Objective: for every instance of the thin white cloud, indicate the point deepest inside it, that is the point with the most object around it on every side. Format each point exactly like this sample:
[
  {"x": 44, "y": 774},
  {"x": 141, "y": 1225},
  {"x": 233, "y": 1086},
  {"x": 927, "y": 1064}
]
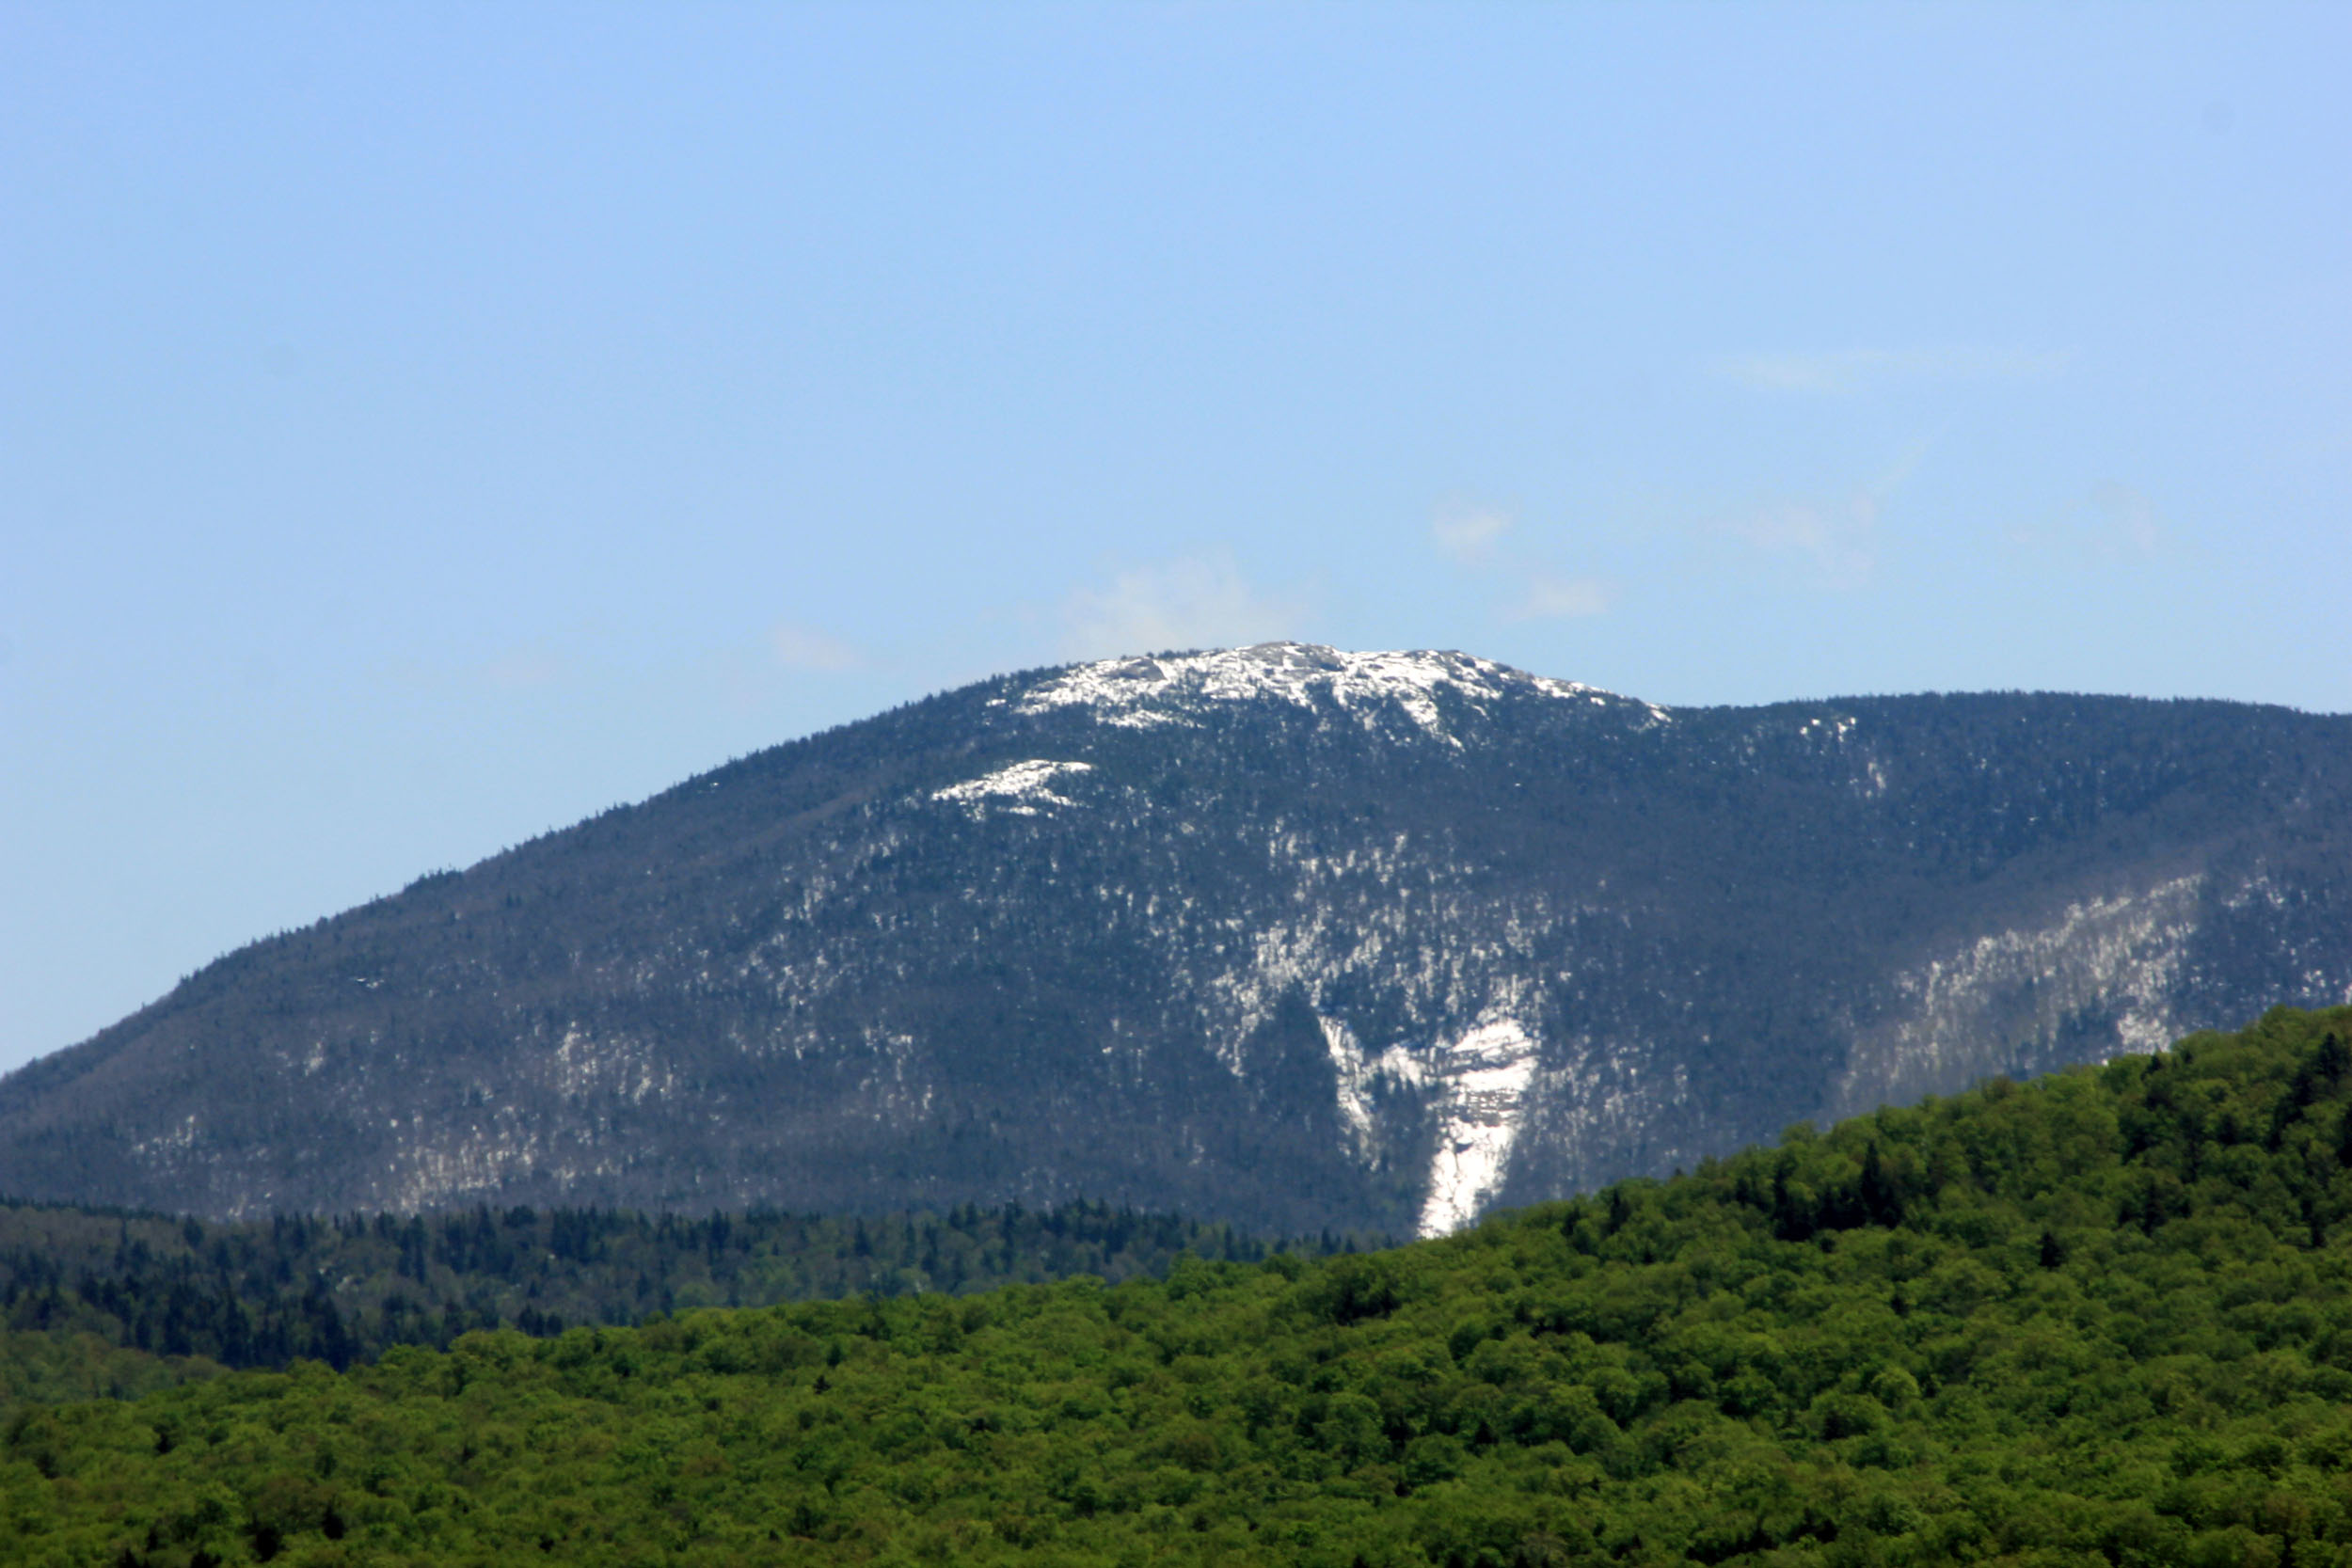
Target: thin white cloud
[
  {"x": 2110, "y": 521},
  {"x": 2128, "y": 515},
  {"x": 1466, "y": 532},
  {"x": 530, "y": 666},
  {"x": 1838, "y": 537},
  {"x": 525, "y": 668},
  {"x": 1199, "y": 601},
  {"x": 1475, "y": 535},
  {"x": 1550, "y": 598},
  {"x": 799, "y": 647},
  {"x": 1854, "y": 370}
]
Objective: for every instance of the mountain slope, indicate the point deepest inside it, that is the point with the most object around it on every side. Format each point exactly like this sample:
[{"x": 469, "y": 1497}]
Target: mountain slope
[{"x": 1278, "y": 935}]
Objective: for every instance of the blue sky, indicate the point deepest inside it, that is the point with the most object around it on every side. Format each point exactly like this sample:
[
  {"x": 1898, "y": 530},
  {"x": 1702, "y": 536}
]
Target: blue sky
[{"x": 422, "y": 426}]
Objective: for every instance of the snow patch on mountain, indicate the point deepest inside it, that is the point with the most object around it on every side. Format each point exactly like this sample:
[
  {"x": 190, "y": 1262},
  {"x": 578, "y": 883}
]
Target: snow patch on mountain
[
  {"x": 1021, "y": 789},
  {"x": 445, "y": 1164},
  {"x": 1141, "y": 693},
  {"x": 1479, "y": 1082},
  {"x": 1358, "y": 1075},
  {"x": 1486, "y": 1073},
  {"x": 2015, "y": 1001}
]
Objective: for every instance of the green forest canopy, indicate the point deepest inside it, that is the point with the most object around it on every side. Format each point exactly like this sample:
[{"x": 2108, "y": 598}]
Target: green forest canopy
[{"x": 2100, "y": 1318}]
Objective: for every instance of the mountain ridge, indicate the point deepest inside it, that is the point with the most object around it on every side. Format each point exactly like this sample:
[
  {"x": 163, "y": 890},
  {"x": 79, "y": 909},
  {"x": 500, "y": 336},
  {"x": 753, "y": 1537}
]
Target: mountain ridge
[{"x": 1281, "y": 935}]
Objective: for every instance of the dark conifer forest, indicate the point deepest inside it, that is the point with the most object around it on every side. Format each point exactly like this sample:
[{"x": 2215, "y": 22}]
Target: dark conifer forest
[
  {"x": 2098, "y": 1318},
  {"x": 98, "y": 1304}
]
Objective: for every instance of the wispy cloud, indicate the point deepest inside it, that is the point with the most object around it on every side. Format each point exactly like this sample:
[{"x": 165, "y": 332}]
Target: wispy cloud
[
  {"x": 1197, "y": 601},
  {"x": 1467, "y": 530},
  {"x": 1841, "y": 539},
  {"x": 2127, "y": 515},
  {"x": 1838, "y": 536},
  {"x": 521, "y": 667},
  {"x": 799, "y": 647},
  {"x": 2110, "y": 521},
  {"x": 1473, "y": 533},
  {"x": 1854, "y": 370},
  {"x": 524, "y": 668},
  {"x": 1551, "y": 598}
]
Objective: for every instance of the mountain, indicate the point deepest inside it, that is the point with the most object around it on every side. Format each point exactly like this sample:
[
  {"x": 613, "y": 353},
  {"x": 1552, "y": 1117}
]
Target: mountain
[
  {"x": 1278, "y": 936},
  {"x": 2102, "y": 1320}
]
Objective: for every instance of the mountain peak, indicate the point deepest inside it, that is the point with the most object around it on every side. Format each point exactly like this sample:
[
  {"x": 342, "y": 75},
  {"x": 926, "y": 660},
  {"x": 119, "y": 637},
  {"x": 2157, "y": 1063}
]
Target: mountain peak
[{"x": 1169, "y": 688}]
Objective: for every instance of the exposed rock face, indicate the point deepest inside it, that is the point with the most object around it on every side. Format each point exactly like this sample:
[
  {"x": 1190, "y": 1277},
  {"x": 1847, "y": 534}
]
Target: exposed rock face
[{"x": 1290, "y": 936}]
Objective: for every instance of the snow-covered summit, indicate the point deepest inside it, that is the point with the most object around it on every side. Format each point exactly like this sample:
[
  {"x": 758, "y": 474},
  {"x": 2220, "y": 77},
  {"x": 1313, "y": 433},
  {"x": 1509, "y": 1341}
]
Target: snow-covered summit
[{"x": 1138, "y": 693}]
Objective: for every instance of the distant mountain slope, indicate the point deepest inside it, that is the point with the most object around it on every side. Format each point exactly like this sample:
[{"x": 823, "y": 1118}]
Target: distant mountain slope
[{"x": 1281, "y": 936}]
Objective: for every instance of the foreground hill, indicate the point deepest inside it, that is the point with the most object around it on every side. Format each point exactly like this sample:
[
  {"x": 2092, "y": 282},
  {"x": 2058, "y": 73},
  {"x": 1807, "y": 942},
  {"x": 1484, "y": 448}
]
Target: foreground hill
[
  {"x": 1285, "y": 937},
  {"x": 2103, "y": 1318}
]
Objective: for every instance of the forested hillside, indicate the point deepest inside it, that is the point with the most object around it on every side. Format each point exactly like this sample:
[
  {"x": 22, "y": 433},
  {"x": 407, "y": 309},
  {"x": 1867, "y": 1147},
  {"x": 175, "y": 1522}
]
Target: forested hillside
[
  {"x": 2100, "y": 1318},
  {"x": 98, "y": 1304}
]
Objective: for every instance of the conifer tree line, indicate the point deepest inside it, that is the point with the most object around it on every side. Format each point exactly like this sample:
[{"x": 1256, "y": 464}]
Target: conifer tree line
[{"x": 342, "y": 1290}]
